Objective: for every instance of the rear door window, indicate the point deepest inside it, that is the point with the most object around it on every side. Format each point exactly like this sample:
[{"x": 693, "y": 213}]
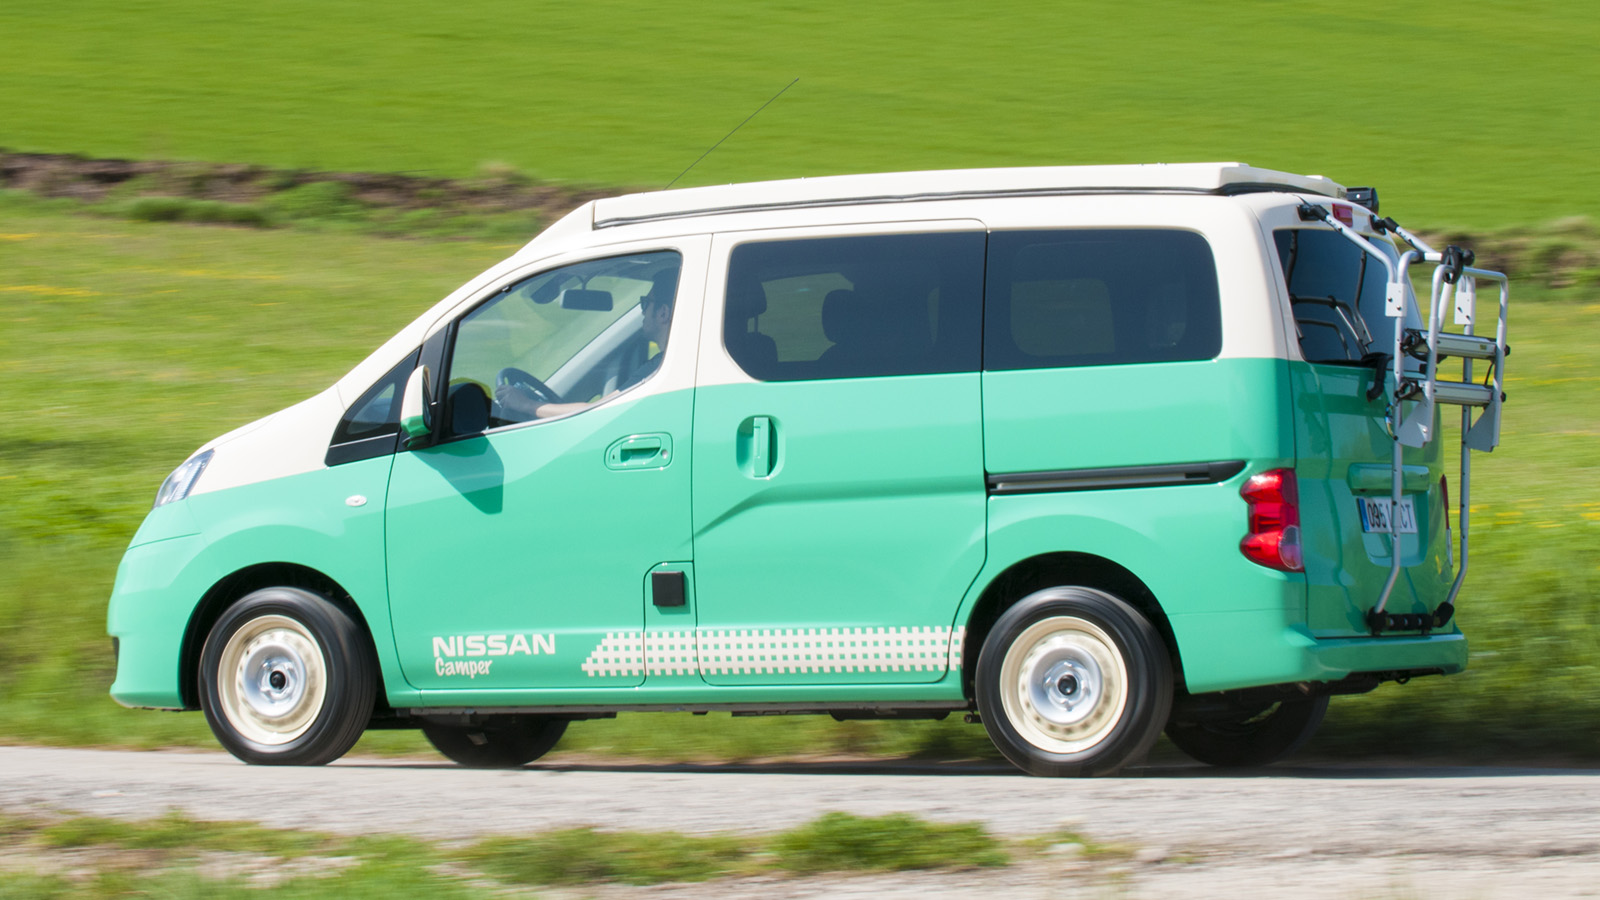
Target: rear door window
[
  {"x": 1337, "y": 292},
  {"x": 1096, "y": 297}
]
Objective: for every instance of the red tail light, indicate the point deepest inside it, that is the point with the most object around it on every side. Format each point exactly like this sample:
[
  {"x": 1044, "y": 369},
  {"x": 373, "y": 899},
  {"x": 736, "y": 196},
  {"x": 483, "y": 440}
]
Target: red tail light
[{"x": 1274, "y": 538}]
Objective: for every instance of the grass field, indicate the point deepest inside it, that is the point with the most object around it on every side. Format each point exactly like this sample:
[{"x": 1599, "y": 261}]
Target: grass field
[
  {"x": 124, "y": 345},
  {"x": 174, "y": 856},
  {"x": 1463, "y": 115}
]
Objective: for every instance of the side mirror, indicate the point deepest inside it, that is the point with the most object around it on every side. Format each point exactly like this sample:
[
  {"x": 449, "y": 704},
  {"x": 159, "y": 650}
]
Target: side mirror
[{"x": 416, "y": 407}]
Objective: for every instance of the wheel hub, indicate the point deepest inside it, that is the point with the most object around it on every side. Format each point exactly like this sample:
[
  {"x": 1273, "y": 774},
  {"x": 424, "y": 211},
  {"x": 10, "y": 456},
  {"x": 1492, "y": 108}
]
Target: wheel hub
[
  {"x": 1066, "y": 684},
  {"x": 272, "y": 680}
]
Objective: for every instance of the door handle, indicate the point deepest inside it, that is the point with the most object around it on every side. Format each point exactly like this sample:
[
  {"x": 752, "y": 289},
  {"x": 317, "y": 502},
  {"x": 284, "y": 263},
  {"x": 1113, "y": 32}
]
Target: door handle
[
  {"x": 640, "y": 451},
  {"x": 757, "y": 446}
]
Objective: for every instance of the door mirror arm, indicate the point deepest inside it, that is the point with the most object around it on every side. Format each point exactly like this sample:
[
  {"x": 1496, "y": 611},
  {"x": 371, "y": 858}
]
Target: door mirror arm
[{"x": 416, "y": 410}]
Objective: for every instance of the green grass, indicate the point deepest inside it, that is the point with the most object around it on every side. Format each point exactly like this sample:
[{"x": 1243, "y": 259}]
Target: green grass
[
  {"x": 125, "y": 345},
  {"x": 892, "y": 843},
  {"x": 175, "y": 831},
  {"x": 584, "y": 855},
  {"x": 1531, "y": 603},
  {"x": 116, "y": 858},
  {"x": 1461, "y": 115}
]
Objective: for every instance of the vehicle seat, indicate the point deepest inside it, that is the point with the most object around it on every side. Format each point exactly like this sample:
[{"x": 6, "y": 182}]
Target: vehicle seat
[
  {"x": 755, "y": 352},
  {"x": 469, "y": 408},
  {"x": 847, "y": 321}
]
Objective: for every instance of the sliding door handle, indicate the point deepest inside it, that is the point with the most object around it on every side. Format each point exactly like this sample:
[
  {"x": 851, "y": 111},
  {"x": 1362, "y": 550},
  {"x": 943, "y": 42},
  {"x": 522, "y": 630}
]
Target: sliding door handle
[{"x": 756, "y": 446}]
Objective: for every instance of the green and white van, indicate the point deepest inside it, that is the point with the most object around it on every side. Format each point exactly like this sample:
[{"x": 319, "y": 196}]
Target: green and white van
[{"x": 1083, "y": 453}]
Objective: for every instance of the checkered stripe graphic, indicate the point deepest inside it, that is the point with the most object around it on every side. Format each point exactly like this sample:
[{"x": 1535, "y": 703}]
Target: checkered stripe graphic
[
  {"x": 618, "y": 654},
  {"x": 670, "y": 653},
  {"x": 772, "y": 651}
]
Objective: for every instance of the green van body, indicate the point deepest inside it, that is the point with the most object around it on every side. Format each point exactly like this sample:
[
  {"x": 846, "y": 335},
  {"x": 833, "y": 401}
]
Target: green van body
[{"x": 844, "y": 543}]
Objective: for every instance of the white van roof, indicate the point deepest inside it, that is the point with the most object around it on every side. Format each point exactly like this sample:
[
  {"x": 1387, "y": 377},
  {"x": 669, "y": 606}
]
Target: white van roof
[{"x": 900, "y": 187}]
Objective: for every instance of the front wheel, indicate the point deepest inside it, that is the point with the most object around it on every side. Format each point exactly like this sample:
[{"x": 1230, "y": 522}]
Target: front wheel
[
  {"x": 1073, "y": 681},
  {"x": 497, "y": 744},
  {"x": 1250, "y": 738},
  {"x": 287, "y": 679}
]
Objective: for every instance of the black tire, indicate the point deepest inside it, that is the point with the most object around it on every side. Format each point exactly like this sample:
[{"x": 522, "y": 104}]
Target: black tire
[
  {"x": 287, "y": 678},
  {"x": 1073, "y": 681},
  {"x": 507, "y": 742},
  {"x": 1250, "y": 738}
]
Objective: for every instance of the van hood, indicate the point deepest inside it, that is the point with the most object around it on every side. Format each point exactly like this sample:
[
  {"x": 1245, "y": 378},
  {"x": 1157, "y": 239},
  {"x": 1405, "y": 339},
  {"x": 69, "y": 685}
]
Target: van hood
[{"x": 288, "y": 442}]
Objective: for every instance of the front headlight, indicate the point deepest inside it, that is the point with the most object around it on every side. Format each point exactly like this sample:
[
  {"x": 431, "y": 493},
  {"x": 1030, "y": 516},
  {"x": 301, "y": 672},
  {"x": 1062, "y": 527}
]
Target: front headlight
[{"x": 182, "y": 479}]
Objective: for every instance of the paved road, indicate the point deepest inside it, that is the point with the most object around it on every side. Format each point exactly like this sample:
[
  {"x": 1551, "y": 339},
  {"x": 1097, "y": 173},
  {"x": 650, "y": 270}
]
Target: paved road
[{"x": 1484, "y": 830}]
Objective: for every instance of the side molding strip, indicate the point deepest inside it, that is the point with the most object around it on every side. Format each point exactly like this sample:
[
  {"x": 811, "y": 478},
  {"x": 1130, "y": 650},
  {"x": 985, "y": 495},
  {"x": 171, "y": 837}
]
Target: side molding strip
[{"x": 1116, "y": 477}]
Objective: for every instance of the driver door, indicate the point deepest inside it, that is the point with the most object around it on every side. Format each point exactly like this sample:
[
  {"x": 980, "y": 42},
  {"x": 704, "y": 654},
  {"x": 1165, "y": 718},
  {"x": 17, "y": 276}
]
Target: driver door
[{"x": 517, "y": 546}]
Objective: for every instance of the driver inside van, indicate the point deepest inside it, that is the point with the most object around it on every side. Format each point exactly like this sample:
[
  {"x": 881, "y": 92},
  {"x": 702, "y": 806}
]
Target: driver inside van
[{"x": 656, "y": 309}]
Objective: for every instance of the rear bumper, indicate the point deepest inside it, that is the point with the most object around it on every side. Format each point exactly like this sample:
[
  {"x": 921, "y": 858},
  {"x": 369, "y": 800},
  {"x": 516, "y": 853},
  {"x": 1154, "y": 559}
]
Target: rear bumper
[{"x": 1228, "y": 651}]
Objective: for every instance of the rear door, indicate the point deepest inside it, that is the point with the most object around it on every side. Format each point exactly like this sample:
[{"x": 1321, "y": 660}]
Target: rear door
[
  {"x": 1344, "y": 454},
  {"x": 838, "y": 455}
]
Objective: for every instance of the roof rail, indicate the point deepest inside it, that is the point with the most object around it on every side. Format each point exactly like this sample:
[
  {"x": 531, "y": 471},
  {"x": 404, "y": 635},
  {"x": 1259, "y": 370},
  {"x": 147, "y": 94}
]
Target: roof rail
[{"x": 914, "y": 187}]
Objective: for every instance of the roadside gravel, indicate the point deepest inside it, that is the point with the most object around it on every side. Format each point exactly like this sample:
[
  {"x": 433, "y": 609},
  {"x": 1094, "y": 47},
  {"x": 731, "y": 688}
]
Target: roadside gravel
[{"x": 1307, "y": 831}]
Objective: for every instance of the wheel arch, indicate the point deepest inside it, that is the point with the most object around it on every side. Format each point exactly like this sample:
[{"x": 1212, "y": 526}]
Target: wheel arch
[
  {"x": 236, "y": 586},
  {"x": 1049, "y": 570}
]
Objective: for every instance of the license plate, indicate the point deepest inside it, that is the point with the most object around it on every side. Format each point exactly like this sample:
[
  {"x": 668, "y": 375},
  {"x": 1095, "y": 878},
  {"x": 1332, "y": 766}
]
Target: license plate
[{"x": 1375, "y": 514}]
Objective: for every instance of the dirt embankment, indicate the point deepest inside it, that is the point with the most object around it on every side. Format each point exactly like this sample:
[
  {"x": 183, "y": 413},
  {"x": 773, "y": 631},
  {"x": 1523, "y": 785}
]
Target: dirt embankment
[
  {"x": 98, "y": 180},
  {"x": 1559, "y": 254}
]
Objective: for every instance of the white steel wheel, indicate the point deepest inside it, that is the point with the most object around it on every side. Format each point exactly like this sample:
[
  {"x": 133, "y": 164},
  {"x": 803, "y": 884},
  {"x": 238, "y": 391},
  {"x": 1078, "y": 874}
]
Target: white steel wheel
[
  {"x": 1073, "y": 681},
  {"x": 1064, "y": 684},
  {"x": 272, "y": 680},
  {"x": 287, "y": 677}
]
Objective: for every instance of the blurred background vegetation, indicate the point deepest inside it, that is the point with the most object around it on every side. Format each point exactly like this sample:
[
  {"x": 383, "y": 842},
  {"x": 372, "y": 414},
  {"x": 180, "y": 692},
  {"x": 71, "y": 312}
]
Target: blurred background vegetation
[{"x": 129, "y": 334}]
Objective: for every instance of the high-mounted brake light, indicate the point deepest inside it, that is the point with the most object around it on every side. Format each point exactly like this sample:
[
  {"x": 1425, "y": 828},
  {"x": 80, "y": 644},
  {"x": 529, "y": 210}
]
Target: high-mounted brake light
[
  {"x": 1344, "y": 214},
  {"x": 1274, "y": 538}
]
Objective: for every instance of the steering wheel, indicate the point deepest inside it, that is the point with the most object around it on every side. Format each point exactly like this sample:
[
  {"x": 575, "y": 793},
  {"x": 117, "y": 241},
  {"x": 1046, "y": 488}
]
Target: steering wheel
[{"x": 515, "y": 377}]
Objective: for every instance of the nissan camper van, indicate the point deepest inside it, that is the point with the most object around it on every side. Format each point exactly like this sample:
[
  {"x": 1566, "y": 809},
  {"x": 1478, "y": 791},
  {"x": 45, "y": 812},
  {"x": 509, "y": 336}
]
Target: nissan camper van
[{"x": 1084, "y": 454}]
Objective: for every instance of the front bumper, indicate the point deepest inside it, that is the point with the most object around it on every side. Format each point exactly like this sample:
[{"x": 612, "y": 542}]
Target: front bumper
[{"x": 147, "y": 616}]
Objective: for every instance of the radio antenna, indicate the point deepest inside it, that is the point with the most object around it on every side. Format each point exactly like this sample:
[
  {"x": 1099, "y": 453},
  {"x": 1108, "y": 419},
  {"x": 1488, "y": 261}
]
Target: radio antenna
[{"x": 730, "y": 134}]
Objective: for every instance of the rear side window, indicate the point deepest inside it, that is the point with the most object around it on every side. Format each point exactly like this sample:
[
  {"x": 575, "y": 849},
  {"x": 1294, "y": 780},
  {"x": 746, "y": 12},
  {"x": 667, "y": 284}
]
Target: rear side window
[
  {"x": 856, "y": 306},
  {"x": 1100, "y": 297},
  {"x": 1337, "y": 292}
]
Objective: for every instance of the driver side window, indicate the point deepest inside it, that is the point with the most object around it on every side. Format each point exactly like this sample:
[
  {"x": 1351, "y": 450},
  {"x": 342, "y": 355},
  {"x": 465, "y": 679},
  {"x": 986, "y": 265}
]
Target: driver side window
[{"x": 554, "y": 344}]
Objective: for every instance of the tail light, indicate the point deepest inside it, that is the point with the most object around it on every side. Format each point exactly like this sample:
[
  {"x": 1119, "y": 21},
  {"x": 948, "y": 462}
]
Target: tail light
[{"x": 1274, "y": 538}]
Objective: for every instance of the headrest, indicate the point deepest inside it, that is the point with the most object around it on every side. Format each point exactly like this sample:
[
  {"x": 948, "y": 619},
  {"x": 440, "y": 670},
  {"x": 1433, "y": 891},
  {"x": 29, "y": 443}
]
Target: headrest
[
  {"x": 841, "y": 313},
  {"x": 746, "y": 300}
]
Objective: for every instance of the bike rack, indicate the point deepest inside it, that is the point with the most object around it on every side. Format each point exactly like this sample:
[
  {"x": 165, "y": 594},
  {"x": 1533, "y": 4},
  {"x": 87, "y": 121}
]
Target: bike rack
[{"x": 1454, "y": 278}]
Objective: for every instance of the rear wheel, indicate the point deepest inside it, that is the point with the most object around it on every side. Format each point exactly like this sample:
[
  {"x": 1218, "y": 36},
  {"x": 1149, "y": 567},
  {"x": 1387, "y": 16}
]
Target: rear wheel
[
  {"x": 1250, "y": 738},
  {"x": 497, "y": 744},
  {"x": 287, "y": 679},
  {"x": 1073, "y": 681}
]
